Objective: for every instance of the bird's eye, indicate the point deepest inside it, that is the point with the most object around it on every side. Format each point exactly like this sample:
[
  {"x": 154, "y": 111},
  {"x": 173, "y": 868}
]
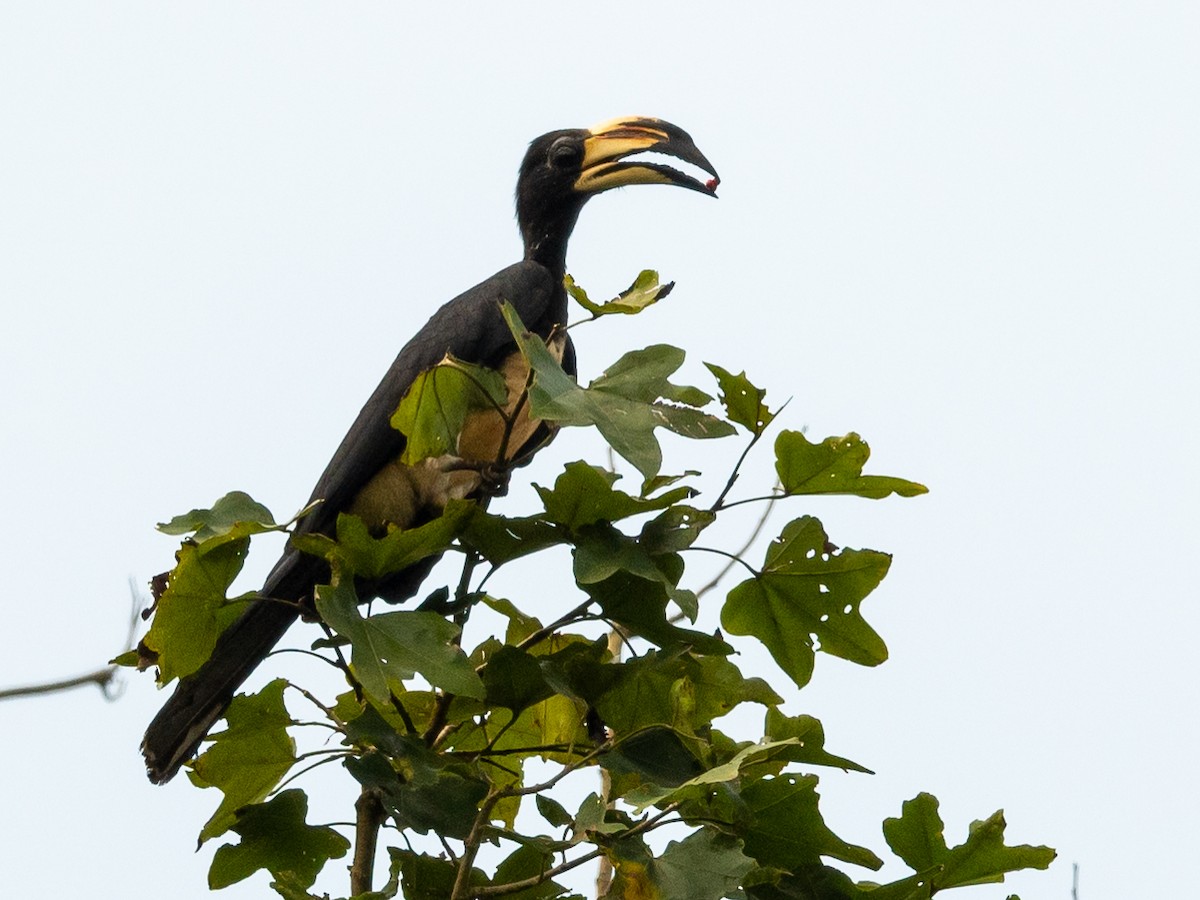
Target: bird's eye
[{"x": 565, "y": 153}]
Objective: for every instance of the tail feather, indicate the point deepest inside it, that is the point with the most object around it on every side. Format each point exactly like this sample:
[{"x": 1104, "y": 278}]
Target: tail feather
[{"x": 201, "y": 698}]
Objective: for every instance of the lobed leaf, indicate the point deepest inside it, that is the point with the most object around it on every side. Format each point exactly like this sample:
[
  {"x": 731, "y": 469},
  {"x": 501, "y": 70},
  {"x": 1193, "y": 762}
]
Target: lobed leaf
[
  {"x": 807, "y": 597},
  {"x": 917, "y": 837},
  {"x": 248, "y": 758},
  {"x": 743, "y": 401},
  {"x": 192, "y": 612},
  {"x": 645, "y": 291},
  {"x": 276, "y": 837},
  {"x": 623, "y": 403},
  {"x": 390, "y": 647},
  {"x": 236, "y": 515},
  {"x": 833, "y": 466}
]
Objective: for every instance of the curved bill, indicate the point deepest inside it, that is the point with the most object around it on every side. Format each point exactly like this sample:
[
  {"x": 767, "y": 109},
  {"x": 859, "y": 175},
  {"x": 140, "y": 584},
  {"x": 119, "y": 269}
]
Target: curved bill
[{"x": 607, "y": 146}]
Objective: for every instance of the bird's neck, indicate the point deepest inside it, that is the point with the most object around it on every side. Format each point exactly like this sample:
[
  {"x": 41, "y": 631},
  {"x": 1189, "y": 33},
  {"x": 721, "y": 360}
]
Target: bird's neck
[{"x": 546, "y": 240}]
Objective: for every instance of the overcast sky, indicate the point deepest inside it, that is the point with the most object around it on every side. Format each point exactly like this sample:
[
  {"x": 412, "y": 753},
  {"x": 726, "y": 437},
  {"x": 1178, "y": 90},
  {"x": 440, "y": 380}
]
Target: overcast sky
[{"x": 967, "y": 231}]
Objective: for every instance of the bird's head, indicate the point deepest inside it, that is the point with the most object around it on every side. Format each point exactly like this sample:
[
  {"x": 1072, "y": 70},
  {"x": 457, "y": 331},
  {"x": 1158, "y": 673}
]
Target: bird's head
[{"x": 562, "y": 169}]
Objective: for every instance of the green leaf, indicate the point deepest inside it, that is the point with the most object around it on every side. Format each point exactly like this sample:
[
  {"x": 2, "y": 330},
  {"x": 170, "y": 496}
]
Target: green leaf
[
  {"x": 289, "y": 887},
  {"x": 513, "y": 679},
  {"x": 644, "y": 292},
  {"x": 584, "y": 494},
  {"x": 275, "y": 837},
  {"x": 917, "y": 838},
  {"x": 640, "y": 604},
  {"x": 591, "y": 819},
  {"x": 502, "y": 539},
  {"x": 429, "y": 878},
  {"x": 393, "y": 645},
  {"x": 833, "y": 466},
  {"x": 357, "y": 551},
  {"x": 579, "y": 669},
  {"x": 661, "y": 756},
  {"x": 743, "y": 401},
  {"x": 433, "y": 410},
  {"x": 650, "y": 485},
  {"x": 675, "y": 529},
  {"x": 249, "y": 757},
  {"x": 788, "y": 831},
  {"x": 706, "y": 865},
  {"x": 552, "y": 811},
  {"x": 528, "y": 861},
  {"x": 236, "y": 515},
  {"x": 682, "y": 692},
  {"x": 554, "y": 722},
  {"x": 194, "y": 610},
  {"x": 806, "y": 598},
  {"x": 520, "y": 625},
  {"x": 811, "y": 736},
  {"x": 623, "y": 403},
  {"x": 425, "y": 795},
  {"x": 821, "y": 882}
]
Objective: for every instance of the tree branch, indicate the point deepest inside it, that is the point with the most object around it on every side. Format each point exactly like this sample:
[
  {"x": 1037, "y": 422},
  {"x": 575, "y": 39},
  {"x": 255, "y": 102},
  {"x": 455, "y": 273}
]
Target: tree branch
[{"x": 369, "y": 808}]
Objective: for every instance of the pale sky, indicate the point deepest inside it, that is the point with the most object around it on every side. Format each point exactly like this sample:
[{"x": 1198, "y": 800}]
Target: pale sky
[{"x": 967, "y": 231}]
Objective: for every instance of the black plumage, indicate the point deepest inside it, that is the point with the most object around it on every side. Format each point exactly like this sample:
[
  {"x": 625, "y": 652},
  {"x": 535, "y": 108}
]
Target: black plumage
[{"x": 560, "y": 171}]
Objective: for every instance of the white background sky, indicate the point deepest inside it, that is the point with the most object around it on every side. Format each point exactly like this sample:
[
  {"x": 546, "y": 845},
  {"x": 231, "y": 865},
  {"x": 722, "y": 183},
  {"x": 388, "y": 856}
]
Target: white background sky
[{"x": 967, "y": 231}]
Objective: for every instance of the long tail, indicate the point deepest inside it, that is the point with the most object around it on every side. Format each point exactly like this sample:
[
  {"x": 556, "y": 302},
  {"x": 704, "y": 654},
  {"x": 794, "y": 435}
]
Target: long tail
[
  {"x": 174, "y": 735},
  {"x": 201, "y": 698}
]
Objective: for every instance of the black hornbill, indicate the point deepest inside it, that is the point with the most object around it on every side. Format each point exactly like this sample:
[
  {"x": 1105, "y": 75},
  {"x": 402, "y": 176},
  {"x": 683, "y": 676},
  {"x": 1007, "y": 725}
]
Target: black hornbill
[{"x": 560, "y": 171}]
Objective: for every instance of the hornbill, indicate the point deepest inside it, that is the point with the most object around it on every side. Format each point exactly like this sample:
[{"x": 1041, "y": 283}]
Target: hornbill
[{"x": 560, "y": 171}]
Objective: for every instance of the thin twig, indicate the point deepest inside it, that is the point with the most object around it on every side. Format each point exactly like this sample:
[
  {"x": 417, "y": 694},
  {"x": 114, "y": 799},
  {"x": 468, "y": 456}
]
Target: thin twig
[
  {"x": 546, "y": 630},
  {"x": 758, "y": 527},
  {"x": 499, "y": 890},
  {"x": 102, "y": 678},
  {"x": 759, "y": 499},
  {"x": 731, "y": 556},
  {"x": 303, "y": 652},
  {"x": 471, "y": 845},
  {"x": 733, "y": 476}
]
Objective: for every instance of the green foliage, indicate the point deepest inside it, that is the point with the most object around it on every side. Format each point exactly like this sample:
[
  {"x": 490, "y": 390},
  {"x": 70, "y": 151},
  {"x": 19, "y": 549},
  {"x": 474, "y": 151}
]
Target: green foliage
[
  {"x": 442, "y": 719},
  {"x": 807, "y": 598},
  {"x": 275, "y": 837},
  {"x": 247, "y": 759},
  {"x": 625, "y": 404},
  {"x": 439, "y": 401},
  {"x": 833, "y": 466},
  {"x": 644, "y": 291}
]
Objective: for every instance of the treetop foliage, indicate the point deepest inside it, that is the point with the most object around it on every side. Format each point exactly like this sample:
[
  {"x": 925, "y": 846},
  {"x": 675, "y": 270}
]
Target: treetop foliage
[{"x": 444, "y": 729}]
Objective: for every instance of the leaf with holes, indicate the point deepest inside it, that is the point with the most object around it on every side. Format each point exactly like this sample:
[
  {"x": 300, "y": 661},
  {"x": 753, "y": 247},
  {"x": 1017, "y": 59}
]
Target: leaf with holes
[
  {"x": 743, "y": 401},
  {"x": 834, "y": 466},
  {"x": 806, "y": 598}
]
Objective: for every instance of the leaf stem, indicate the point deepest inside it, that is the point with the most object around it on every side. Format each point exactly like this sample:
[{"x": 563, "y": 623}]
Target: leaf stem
[
  {"x": 499, "y": 890},
  {"x": 733, "y": 557},
  {"x": 733, "y": 476},
  {"x": 546, "y": 630}
]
